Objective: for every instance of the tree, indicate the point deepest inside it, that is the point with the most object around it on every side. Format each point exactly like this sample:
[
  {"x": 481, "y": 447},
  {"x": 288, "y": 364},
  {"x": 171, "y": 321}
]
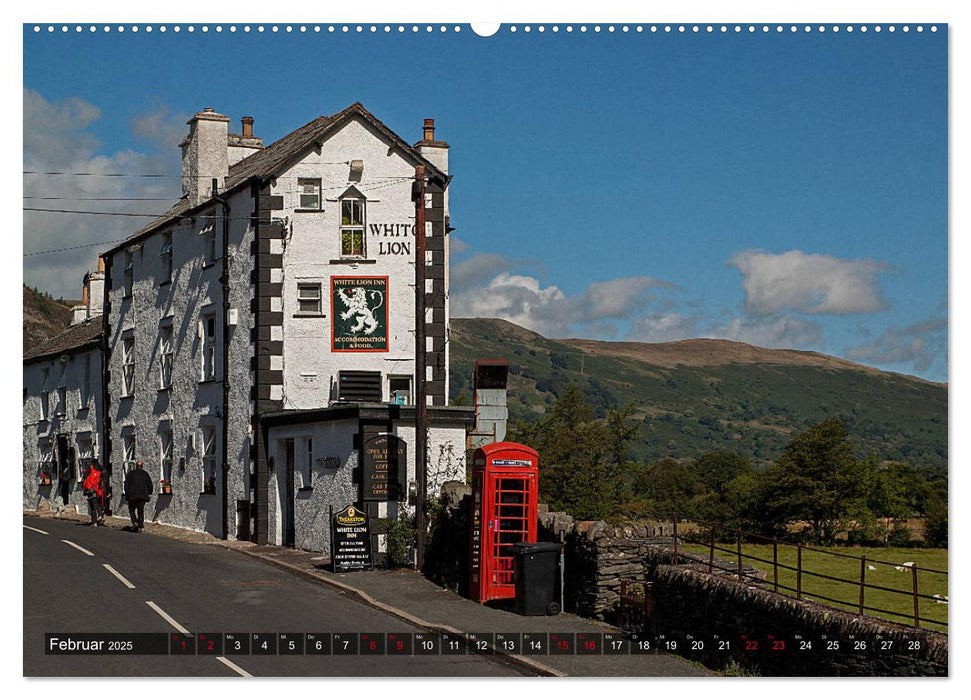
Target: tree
[
  {"x": 817, "y": 479},
  {"x": 583, "y": 461}
]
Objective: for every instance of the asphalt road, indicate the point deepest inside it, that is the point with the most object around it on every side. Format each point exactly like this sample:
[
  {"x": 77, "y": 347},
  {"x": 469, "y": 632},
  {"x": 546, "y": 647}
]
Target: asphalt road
[{"x": 179, "y": 586}]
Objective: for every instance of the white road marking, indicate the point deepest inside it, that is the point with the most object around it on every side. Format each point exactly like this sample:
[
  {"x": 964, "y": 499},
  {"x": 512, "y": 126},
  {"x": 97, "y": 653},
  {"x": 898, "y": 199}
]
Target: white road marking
[
  {"x": 78, "y": 547},
  {"x": 118, "y": 576},
  {"x": 168, "y": 618},
  {"x": 233, "y": 666},
  {"x": 36, "y": 530}
]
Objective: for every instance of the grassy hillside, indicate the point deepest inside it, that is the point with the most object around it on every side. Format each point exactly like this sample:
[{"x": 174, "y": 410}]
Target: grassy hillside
[
  {"x": 699, "y": 395},
  {"x": 44, "y": 316}
]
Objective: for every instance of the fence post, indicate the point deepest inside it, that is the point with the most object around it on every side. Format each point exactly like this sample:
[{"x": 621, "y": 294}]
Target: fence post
[
  {"x": 738, "y": 532},
  {"x": 862, "y": 580},
  {"x": 775, "y": 564},
  {"x": 916, "y": 599},
  {"x": 675, "y": 535},
  {"x": 799, "y": 571},
  {"x": 711, "y": 552}
]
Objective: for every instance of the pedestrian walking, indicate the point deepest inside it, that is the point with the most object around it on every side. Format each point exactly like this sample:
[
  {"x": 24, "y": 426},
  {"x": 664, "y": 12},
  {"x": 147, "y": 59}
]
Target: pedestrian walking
[
  {"x": 94, "y": 492},
  {"x": 138, "y": 490}
]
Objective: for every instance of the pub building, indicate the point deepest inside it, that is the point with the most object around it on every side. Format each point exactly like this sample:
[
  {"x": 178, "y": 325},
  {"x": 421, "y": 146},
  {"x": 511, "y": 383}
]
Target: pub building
[{"x": 258, "y": 338}]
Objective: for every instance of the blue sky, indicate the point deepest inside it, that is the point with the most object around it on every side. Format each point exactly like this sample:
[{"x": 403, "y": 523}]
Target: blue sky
[{"x": 787, "y": 190}]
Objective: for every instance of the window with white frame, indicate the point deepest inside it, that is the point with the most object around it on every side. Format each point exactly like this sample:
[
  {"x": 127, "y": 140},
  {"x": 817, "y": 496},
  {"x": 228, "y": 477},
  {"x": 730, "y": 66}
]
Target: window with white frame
[
  {"x": 208, "y": 347},
  {"x": 166, "y": 355},
  {"x": 85, "y": 452},
  {"x": 45, "y": 395},
  {"x": 165, "y": 453},
  {"x": 61, "y": 408},
  {"x": 128, "y": 365},
  {"x": 45, "y": 464},
  {"x": 128, "y": 454},
  {"x": 308, "y": 189},
  {"x": 166, "y": 257},
  {"x": 209, "y": 243},
  {"x": 209, "y": 452},
  {"x": 308, "y": 298},
  {"x": 352, "y": 227},
  {"x": 129, "y": 272}
]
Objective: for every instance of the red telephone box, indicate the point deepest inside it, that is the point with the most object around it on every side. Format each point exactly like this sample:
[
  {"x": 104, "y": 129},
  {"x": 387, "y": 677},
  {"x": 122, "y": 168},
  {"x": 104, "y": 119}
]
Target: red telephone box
[{"x": 504, "y": 498}]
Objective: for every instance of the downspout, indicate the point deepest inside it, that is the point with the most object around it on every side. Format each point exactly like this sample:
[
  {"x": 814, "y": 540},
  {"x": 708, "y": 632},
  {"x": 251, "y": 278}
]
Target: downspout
[
  {"x": 225, "y": 381},
  {"x": 105, "y": 348}
]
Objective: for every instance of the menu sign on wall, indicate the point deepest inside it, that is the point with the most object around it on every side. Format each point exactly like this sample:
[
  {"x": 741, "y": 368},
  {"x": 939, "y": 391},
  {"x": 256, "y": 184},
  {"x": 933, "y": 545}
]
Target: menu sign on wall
[
  {"x": 384, "y": 460},
  {"x": 351, "y": 540}
]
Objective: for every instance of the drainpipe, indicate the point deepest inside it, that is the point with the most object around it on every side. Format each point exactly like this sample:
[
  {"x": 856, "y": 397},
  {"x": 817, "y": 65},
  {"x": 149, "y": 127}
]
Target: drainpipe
[
  {"x": 225, "y": 382},
  {"x": 105, "y": 397}
]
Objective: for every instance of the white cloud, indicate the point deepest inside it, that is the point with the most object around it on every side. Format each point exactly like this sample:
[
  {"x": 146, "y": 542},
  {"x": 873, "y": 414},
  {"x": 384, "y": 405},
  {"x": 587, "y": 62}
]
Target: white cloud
[
  {"x": 57, "y": 137},
  {"x": 161, "y": 126},
  {"x": 771, "y": 332},
  {"x": 547, "y": 310},
  {"x": 809, "y": 283},
  {"x": 918, "y": 344}
]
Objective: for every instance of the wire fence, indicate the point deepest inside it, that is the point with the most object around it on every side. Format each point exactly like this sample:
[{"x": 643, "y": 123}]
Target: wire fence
[{"x": 797, "y": 578}]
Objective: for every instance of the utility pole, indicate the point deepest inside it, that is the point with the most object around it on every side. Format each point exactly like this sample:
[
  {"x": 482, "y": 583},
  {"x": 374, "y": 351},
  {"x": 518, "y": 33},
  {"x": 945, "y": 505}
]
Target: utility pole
[{"x": 418, "y": 195}]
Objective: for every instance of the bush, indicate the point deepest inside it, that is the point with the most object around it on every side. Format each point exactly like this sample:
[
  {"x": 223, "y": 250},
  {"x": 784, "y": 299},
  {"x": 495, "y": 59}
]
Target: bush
[{"x": 401, "y": 542}]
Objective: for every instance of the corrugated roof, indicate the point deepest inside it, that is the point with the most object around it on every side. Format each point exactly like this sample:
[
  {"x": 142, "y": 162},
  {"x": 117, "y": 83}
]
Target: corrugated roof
[
  {"x": 274, "y": 159},
  {"x": 78, "y": 336}
]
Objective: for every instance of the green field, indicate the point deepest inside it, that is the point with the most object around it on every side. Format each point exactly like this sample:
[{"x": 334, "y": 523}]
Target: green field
[{"x": 816, "y": 588}]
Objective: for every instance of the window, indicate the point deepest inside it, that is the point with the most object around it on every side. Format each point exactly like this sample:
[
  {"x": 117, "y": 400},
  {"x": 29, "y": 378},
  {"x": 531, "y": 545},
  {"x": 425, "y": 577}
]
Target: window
[
  {"x": 352, "y": 227},
  {"x": 308, "y": 478},
  {"x": 308, "y": 298},
  {"x": 165, "y": 454},
  {"x": 208, "y": 347},
  {"x": 129, "y": 272},
  {"x": 129, "y": 452},
  {"x": 46, "y": 464},
  {"x": 85, "y": 452},
  {"x": 209, "y": 453},
  {"x": 309, "y": 191},
  {"x": 84, "y": 392},
  {"x": 166, "y": 256},
  {"x": 209, "y": 242},
  {"x": 400, "y": 390},
  {"x": 61, "y": 408},
  {"x": 45, "y": 396},
  {"x": 166, "y": 353},
  {"x": 128, "y": 366}
]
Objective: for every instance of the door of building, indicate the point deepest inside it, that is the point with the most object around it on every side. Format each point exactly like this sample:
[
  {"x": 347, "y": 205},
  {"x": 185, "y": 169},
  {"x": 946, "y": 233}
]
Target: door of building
[
  {"x": 286, "y": 497},
  {"x": 65, "y": 469}
]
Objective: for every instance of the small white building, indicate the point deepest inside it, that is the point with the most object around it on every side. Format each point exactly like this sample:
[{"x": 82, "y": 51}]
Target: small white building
[
  {"x": 259, "y": 336},
  {"x": 62, "y": 412}
]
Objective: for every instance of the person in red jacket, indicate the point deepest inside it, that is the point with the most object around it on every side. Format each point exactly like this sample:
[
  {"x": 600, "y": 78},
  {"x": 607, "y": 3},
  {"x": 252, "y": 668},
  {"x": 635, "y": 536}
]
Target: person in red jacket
[{"x": 94, "y": 490}]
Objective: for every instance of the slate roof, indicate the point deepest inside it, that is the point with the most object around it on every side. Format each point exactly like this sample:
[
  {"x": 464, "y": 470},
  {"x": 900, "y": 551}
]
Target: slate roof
[
  {"x": 74, "y": 338},
  {"x": 274, "y": 159}
]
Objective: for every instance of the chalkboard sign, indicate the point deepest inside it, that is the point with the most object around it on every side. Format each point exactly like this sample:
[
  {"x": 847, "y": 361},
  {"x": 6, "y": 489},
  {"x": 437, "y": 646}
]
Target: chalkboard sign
[
  {"x": 350, "y": 540},
  {"x": 384, "y": 460}
]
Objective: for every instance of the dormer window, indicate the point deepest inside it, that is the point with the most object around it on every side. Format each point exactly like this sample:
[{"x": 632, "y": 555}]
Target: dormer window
[{"x": 352, "y": 224}]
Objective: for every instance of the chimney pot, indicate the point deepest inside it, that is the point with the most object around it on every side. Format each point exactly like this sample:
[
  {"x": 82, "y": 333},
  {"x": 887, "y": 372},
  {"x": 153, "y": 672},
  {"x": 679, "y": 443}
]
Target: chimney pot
[
  {"x": 429, "y": 130},
  {"x": 247, "y": 127},
  {"x": 209, "y": 109}
]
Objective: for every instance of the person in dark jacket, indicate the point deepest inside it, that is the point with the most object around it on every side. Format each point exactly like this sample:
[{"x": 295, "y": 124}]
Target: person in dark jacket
[
  {"x": 138, "y": 490},
  {"x": 94, "y": 490}
]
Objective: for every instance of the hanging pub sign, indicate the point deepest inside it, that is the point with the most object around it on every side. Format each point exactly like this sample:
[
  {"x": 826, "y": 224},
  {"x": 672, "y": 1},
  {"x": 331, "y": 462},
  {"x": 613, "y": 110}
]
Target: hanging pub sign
[
  {"x": 385, "y": 474},
  {"x": 359, "y": 314},
  {"x": 350, "y": 540}
]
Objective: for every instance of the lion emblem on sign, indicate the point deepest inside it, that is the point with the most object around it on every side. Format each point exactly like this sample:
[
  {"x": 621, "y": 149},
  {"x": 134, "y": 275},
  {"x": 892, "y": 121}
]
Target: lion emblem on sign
[{"x": 358, "y": 308}]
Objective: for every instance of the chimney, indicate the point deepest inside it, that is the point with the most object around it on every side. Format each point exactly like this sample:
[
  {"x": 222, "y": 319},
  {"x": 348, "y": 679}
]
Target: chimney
[
  {"x": 205, "y": 155},
  {"x": 96, "y": 289},
  {"x": 491, "y": 414},
  {"x": 429, "y": 130},
  {"x": 436, "y": 152},
  {"x": 239, "y": 146}
]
